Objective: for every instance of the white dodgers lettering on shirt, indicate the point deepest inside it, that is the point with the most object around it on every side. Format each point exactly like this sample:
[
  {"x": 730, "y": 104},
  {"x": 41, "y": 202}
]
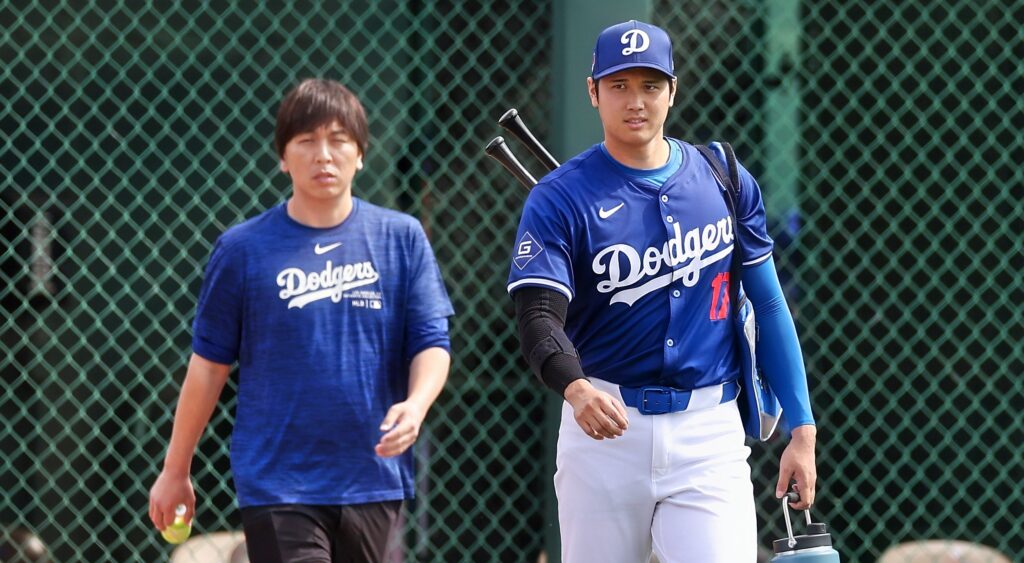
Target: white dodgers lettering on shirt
[
  {"x": 301, "y": 288},
  {"x": 641, "y": 273}
]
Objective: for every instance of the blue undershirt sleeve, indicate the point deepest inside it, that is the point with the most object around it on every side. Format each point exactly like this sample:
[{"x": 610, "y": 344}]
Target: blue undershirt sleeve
[
  {"x": 778, "y": 349},
  {"x": 427, "y": 334}
]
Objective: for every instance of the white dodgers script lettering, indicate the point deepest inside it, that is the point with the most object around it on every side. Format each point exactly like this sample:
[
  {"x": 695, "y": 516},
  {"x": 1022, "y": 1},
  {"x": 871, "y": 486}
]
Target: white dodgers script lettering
[
  {"x": 696, "y": 249},
  {"x": 300, "y": 288}
]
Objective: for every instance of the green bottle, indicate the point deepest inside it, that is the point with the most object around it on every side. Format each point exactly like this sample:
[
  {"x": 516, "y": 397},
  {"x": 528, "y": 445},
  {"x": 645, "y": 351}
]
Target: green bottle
[{"x": 179, "y": 530}]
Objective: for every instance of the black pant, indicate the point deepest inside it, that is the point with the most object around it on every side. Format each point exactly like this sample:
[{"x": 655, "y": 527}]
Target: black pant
[{"x": 294, "y": 533}]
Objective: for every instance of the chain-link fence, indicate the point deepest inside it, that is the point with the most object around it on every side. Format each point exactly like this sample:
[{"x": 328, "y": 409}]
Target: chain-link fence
[{"x": 884, "y": 133}]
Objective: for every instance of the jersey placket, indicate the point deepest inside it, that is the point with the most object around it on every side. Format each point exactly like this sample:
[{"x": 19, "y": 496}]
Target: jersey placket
[{"x": 671, "y": 344}]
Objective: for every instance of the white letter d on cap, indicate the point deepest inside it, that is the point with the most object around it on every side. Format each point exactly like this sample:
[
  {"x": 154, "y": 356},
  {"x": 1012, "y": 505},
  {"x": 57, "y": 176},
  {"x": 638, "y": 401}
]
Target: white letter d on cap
[{"x": 631, "y": 38}]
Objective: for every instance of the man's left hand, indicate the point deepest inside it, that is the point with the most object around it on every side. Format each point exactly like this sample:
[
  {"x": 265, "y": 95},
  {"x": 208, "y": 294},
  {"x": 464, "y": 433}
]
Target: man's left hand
[{"x": 797, "y": 464}]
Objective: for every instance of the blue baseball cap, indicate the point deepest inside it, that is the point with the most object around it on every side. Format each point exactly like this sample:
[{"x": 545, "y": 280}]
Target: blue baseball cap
[{"x": 632, "y": 44}]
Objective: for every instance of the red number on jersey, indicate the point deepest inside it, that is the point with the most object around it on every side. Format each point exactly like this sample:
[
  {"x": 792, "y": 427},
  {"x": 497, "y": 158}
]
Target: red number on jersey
[{"x": 720, "y": 298}]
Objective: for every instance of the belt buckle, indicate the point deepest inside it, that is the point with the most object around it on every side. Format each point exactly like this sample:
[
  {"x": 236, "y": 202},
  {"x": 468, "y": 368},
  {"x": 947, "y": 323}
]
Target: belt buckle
[{"x": 642, "y": 406}]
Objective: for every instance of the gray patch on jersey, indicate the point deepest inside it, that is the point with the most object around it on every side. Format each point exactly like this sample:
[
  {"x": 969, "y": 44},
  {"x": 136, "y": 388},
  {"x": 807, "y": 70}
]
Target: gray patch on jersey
[{"x": 526, "y": 249}]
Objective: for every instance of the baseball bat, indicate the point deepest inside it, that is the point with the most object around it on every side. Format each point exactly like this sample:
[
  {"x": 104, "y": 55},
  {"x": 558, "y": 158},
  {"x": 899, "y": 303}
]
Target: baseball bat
[
  {"x": 512, "y": 123},
  {"x": 498, "y": 150}
]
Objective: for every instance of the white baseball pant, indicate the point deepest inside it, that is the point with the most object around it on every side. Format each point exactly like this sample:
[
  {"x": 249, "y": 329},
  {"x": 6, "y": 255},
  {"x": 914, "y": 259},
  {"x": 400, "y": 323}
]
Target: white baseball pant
[{"x": 675, "y": 483}]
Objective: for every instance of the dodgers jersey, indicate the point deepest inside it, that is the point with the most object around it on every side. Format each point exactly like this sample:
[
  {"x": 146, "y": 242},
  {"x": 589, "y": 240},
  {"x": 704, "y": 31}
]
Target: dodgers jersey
[
  {"x": 318, "y": 320},
  {"x": 645, "y": 267}
]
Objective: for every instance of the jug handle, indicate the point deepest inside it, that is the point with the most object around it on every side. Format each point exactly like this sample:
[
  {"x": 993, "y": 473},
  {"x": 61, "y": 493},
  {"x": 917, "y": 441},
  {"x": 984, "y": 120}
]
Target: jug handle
[{"x": 789, "y": 497}]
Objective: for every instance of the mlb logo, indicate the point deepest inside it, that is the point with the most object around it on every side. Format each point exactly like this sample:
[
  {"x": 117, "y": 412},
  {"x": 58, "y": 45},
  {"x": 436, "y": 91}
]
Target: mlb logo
[{"x": 374, "y": 304}]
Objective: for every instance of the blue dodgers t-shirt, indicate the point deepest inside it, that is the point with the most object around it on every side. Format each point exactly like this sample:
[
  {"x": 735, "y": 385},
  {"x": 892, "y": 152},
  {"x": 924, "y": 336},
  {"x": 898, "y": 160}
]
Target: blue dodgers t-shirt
[
  {"x": 319, "y": 321},
  {"x": 644, "y": 263}
]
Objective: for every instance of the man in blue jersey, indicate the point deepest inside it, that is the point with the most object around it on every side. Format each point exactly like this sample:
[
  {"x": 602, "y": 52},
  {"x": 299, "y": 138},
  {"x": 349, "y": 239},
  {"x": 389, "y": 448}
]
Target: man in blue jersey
[
  {"x": 336, "y": 313},
  {"x": 620, "y": 276}
]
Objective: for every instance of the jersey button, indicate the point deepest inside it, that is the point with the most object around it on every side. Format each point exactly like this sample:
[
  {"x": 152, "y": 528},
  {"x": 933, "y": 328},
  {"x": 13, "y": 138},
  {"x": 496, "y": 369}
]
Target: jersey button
[
  {"x": 675, "y": 293},
  {"x": 664, "y": 199},
  {"x": 670, "y": 342},
  {"x": 669, "y": 219}
]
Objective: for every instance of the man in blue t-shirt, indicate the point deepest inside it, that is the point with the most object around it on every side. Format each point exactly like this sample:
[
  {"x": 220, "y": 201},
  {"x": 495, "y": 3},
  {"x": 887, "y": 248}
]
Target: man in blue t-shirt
[
  {"x": 620, "y": 277},
  {"x": 337, "y": 315}
]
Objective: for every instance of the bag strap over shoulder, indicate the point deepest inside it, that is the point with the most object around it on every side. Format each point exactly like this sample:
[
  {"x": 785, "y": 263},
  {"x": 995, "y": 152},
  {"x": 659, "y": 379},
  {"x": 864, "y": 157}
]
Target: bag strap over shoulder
[{"x": 730, "y": 183}]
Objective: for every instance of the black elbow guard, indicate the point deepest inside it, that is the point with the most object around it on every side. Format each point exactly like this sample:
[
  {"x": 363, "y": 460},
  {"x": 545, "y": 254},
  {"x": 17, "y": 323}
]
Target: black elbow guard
[
  {"x": 555, "y": 343},
  {"x": 547, "y": 349}
]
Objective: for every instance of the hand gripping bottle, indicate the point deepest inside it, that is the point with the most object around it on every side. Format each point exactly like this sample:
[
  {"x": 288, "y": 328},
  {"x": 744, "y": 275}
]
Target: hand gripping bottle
[
  {"x": 813, "y": 547},
  {"x": 179, "y": 530}
]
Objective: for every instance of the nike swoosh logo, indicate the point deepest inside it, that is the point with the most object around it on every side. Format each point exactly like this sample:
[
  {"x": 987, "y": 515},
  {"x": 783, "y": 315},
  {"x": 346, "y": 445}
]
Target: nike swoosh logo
[
  {"x": 606, "y": 214},
  {"x": 324, "y": 249}
]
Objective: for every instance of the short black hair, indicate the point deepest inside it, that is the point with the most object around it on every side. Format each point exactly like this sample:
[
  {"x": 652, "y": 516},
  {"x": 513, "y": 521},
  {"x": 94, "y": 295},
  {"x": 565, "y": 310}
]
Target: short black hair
[{"x": 316, "y": 102}]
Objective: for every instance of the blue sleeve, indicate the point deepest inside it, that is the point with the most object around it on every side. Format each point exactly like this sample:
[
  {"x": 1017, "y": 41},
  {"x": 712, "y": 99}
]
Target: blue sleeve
[
  {"x": 427, "y": 299},
  {"x": 542, "y": 256},
  {"x": 217, "y": 328},
  {"x": 778, "y": 349},
  {"x": 428, "y": 334}
]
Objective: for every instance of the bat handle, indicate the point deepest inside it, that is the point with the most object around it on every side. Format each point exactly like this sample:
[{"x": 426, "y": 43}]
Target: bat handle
[
  {"x": 514, "y": 124},
  {"x": 498, "y": 150}
]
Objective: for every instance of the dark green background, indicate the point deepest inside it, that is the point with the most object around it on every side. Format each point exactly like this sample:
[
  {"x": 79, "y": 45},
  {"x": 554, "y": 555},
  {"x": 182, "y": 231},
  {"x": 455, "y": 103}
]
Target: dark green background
[{"x": 885, "y": 135}]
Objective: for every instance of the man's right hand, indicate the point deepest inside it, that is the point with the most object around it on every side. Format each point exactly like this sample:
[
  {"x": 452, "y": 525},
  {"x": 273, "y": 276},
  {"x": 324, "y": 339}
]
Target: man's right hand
[
  {"x": 599, "y": 414},
  {"x": 167, "y": 493}
]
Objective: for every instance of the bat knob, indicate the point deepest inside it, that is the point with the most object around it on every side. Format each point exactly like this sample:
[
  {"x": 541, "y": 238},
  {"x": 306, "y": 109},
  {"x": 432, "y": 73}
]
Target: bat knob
[
  {"x": 494, "y": 144},
  {"x": 509, "y": 115}
]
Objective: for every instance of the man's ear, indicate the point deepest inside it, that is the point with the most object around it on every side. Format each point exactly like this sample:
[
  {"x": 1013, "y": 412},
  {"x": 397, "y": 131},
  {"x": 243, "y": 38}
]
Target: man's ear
[
  {"x": 672, "y": 88},
  {"x": 282, "y": 165},
  {"x": 592, "y": 90}
]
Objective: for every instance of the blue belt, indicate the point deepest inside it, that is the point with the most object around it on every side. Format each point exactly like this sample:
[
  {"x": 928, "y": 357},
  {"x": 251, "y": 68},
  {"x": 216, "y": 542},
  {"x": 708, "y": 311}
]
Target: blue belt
[{"x": 655, "y": 399}]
